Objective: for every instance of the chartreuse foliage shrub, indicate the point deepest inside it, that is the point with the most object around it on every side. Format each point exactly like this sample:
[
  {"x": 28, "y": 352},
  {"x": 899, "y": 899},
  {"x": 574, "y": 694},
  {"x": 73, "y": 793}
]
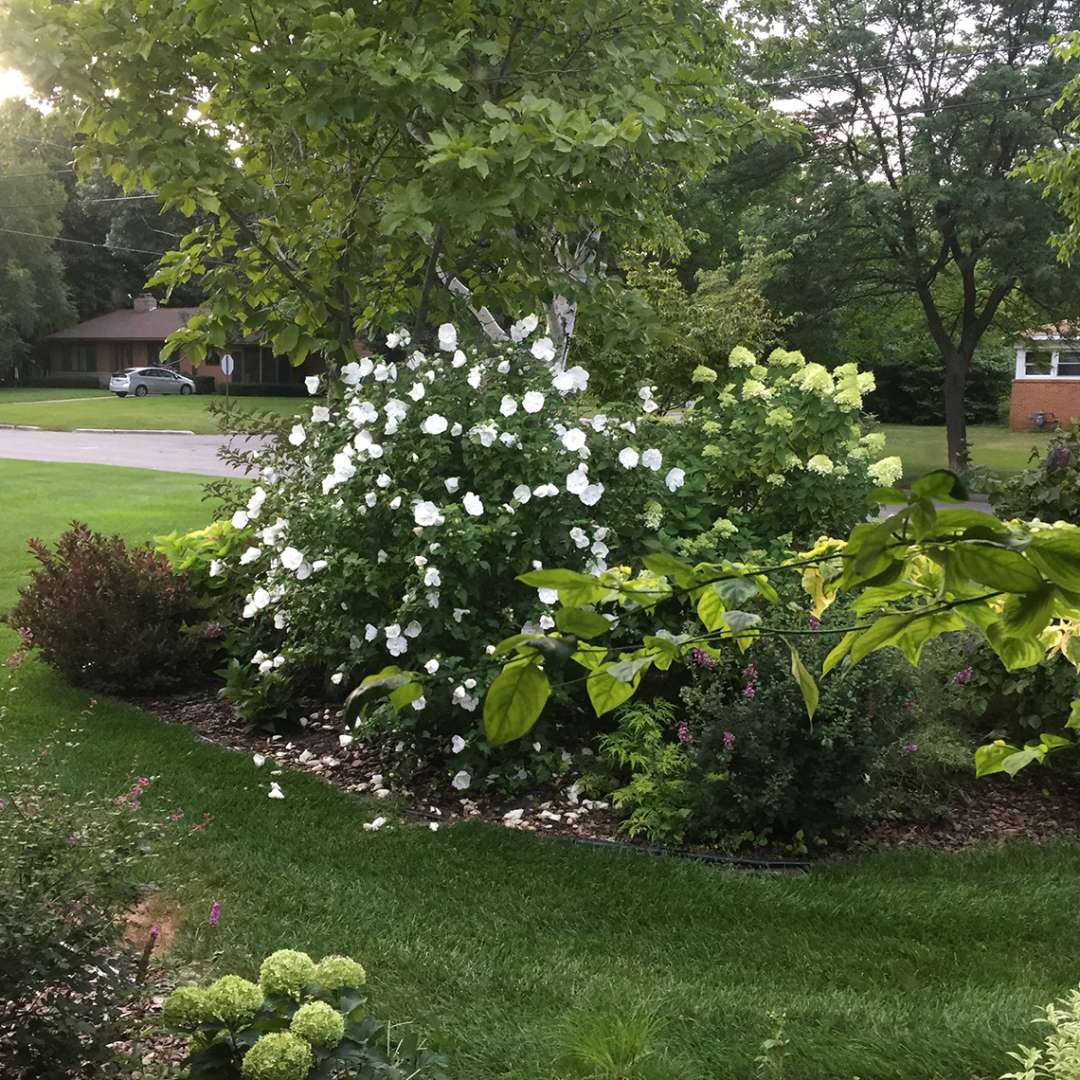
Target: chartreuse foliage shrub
[
  {"x": 919, "y": 574},
  {"x": 1058, "y": 1057},
  {"x": 69, "y": 870},
  {"x": 112, "y": 617},
  {"x": 302, "y": 1019}
]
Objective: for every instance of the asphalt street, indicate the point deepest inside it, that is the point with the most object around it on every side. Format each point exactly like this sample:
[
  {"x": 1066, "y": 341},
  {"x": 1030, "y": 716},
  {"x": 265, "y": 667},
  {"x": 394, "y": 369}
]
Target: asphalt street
[{"x": 168, "y": 453}]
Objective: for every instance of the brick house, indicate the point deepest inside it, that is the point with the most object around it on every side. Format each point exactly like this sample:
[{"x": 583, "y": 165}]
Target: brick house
[
  {"x": 1047, "y": 378},
  {"x": 133, "y": 337}
]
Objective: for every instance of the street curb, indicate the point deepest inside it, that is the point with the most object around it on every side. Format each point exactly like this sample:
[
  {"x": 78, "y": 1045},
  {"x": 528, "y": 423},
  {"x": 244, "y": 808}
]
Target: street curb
[
  {"x": 20, "y": 427},
  {"x": 130, "y": 431}
]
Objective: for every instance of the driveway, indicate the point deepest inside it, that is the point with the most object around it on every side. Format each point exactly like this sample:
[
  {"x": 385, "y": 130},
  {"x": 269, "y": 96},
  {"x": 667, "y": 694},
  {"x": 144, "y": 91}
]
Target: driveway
[{"x": 168, "y": 453}]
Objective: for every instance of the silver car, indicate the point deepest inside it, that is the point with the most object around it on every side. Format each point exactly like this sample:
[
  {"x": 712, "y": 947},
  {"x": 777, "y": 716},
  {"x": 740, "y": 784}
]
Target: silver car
[{"x": 141, "y": 381}]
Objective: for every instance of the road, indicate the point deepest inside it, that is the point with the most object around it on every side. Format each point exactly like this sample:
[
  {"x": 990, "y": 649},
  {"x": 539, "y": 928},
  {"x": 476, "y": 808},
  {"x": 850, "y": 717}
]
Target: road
[{"x": 168, "y": 453}]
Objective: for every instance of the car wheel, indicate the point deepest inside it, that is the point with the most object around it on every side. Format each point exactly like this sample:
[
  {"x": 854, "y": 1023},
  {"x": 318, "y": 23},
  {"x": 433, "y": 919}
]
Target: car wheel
[
  {"x": 141, "y": 391},
  {"x": 121, "y": 393},
  {"x": 185, "y": 389}
]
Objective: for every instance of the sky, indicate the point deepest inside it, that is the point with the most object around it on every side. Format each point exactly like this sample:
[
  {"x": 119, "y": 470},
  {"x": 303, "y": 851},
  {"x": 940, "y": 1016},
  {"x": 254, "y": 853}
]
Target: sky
[{"x": 12, "y": 85}]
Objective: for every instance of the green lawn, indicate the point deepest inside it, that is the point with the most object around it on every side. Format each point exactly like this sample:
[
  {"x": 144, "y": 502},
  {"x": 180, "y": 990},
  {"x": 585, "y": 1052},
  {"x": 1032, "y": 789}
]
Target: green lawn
[
  {"x": 909, "y": 966},
  {"x": 922, "y": 448},
  {"x": 42, "y": 498},
  {"x": 65, "y": 410}
]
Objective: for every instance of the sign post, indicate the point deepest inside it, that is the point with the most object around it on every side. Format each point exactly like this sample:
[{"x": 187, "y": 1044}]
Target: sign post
[{"x": 227, "y": 365}]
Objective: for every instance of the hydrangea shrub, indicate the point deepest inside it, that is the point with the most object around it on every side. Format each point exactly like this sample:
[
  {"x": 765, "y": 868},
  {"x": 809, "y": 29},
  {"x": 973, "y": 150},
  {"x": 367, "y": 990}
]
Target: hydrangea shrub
[
  {"x": 300, "y": 1020},
  {"x": 783, "y": 450},
  {"x": 386, "y": 531}
]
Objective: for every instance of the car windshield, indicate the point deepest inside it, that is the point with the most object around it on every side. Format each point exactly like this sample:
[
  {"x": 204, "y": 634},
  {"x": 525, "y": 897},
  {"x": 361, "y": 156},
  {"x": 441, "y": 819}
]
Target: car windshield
[{"x": 132, "y": 371}]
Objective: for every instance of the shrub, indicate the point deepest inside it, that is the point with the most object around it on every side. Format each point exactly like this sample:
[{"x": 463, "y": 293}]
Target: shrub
[
  {"x": 1049, "y": 489},
  {"x": 1058, "y": 1058},
  {"x": 962, "y": 683},
  {"x": 301, "y": 1019},
  {"x": 783, "y": 452},
  {"x": 381, "y": 527},
  {"x": 110, "y": 617},
  {"x": 763, "y": 770},
  {"x": 69, "y": 869}
]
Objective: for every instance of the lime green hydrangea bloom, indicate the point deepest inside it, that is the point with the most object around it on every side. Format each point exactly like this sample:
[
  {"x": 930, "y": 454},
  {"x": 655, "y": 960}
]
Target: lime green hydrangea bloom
[
  {"x": 741, "y": 356},
  {"x": 184, "y": 1008},
  {"x": 787, "y": 358},
  {"x": 653, "y": 516},
  {"x": 703, "y": 374},
  {"x": 780, "y": 417},
  {"x": 278, "y": 1056},
  {"x": 319, "y": 1023},
  {"x": 339, "y": 973},
  {"x": 755, "y": 388},
  {"x": 874, "y": 442},
  {"x": 286, "y": 972},
  {"x": 233, "y": 1001},
  {"x": 821, "y": 464},
  {"x": 886, "y": 471},
  {"x": 815, "y": 379}
]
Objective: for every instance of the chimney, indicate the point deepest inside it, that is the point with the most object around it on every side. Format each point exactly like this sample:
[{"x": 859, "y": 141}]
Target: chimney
[{"x": 146, "y": 302}]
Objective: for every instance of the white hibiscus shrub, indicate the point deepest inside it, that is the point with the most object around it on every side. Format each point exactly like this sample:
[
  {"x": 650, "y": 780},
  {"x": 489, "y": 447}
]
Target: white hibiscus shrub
[{"x": 388, "y": 529}]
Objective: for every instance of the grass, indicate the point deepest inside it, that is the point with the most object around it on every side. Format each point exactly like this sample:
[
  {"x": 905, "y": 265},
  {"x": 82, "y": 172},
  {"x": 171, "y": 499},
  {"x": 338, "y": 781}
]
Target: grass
[
  {"x": 65, "y": 410},
  {"x": 507, "y": 946},
  {"x": 42, "y": 498},
  {"x": 922, "y": 448}
]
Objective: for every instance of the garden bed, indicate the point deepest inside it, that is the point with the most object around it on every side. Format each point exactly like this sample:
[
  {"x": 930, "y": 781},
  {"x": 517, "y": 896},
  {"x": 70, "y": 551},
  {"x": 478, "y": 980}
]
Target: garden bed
[{"x": 1032, "y": 807}]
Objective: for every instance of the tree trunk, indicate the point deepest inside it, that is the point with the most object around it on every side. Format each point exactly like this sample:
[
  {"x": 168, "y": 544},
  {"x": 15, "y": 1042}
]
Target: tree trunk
[{"x": 956, "y": 371}]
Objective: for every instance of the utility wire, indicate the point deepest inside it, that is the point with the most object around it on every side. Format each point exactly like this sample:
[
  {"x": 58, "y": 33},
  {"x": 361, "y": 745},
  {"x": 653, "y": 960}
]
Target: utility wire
[
  {"x": 76, "y": 200},
  {"x": 84, "y": 243}
]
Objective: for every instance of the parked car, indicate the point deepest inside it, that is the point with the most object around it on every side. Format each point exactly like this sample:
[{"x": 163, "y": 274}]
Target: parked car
[{"x": 141, "y": 381}]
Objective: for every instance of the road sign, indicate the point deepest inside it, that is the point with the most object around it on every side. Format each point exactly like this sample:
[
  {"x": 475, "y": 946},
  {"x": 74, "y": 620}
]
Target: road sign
[{"x": 227, "y": 364}]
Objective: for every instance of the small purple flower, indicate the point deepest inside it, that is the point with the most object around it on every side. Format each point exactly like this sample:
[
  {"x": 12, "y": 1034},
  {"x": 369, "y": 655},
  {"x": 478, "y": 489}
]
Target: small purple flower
[
  {"x": 963, "y": 677},
  {"x": 749, "y": 691},
  {"x": 702, "y": 658},
  {"x": 155, "y": 932},
  {"x": 215, "y": 913},
  {"x": 815, "y": 622},
  {"x": 911, "y": 747},
  {"x": 729, "y": 740},
  {"x": 684, "y": 732},
  {"x": 750, "y": 673},
  {"x": 910, "y": 705}
]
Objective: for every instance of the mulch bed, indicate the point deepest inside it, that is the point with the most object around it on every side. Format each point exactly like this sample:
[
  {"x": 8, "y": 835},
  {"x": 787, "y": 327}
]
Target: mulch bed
[{"x": 1036, "y": 807}]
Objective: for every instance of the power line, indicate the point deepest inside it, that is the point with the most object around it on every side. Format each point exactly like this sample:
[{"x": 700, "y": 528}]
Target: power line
[
  {"x": 75, "y": 199},
  {"x": 84, "y": 243},
  {"x": 28, "y": 175}
]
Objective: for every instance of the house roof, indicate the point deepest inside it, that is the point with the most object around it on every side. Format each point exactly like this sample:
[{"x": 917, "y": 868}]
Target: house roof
[
  {"x": 129, "y": 325},
  {"x": 1062, "y": 331}
]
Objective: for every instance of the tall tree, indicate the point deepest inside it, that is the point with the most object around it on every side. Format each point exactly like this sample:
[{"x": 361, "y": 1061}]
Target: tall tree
[
  {"x": 33, "y": 295},
  {"x": 917, "y": 116},
  {"x": 360, "y": 163}
]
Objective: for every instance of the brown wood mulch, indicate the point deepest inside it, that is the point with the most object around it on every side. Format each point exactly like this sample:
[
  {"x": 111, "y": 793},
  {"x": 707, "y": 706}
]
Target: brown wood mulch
[{"x": 1036, "y": 807}]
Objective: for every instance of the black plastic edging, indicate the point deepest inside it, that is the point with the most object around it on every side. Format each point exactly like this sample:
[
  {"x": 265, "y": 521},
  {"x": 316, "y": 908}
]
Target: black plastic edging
[{"x": 738, "y": 862}]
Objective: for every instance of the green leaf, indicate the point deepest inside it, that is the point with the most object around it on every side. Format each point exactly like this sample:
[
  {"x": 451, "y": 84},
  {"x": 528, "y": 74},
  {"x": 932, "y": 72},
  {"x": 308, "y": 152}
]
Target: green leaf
[
  {"x": 606, "y": 692},
  {"x": 1015, "y": 652},
  {"x": 514, "y": 701},
  {"x": 710, "y": 609},
  {"x": 839, "y": 651},
  {"x": 736, "y": 591},
  {"x": 511, "y": 643},
  {"x": 940, "y": 484},
  {"x": 386, "y": 681},
  {"x": 991, "y": 758},
  {"x": 1027, "y": 615},
  {"x": 451, "y": 82},
  {"x": 884, "y": 496},
  {"x": 660, "y": 562},
  {"x": 1056, "y": 552},
  {"x": 555, "y": 579},
  {"x": 589, "y": 656},
  {"x": 581, "y": 622},
  {"x": 805, "y": 680},
  {"x": 883, "y": 631},
  {"x": 1074, "y": 716},
  {"x": 405, "y": 695},
  {"x": 627, "y": 671},
  {"x": 1022, "y": 758},
  {"x": 665, "y": 651},
  {"x": 997, "y": 567},
  {"x": 738, "y": 621}
]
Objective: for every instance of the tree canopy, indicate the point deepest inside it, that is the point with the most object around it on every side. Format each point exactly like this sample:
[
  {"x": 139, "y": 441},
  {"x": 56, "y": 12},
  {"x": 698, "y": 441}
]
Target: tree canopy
[{"x": 357, "y": 165}]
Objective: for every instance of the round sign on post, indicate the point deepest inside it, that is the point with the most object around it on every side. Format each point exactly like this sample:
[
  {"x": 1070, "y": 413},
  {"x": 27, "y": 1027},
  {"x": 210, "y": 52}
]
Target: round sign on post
[{"x": 227, "y": 365}]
